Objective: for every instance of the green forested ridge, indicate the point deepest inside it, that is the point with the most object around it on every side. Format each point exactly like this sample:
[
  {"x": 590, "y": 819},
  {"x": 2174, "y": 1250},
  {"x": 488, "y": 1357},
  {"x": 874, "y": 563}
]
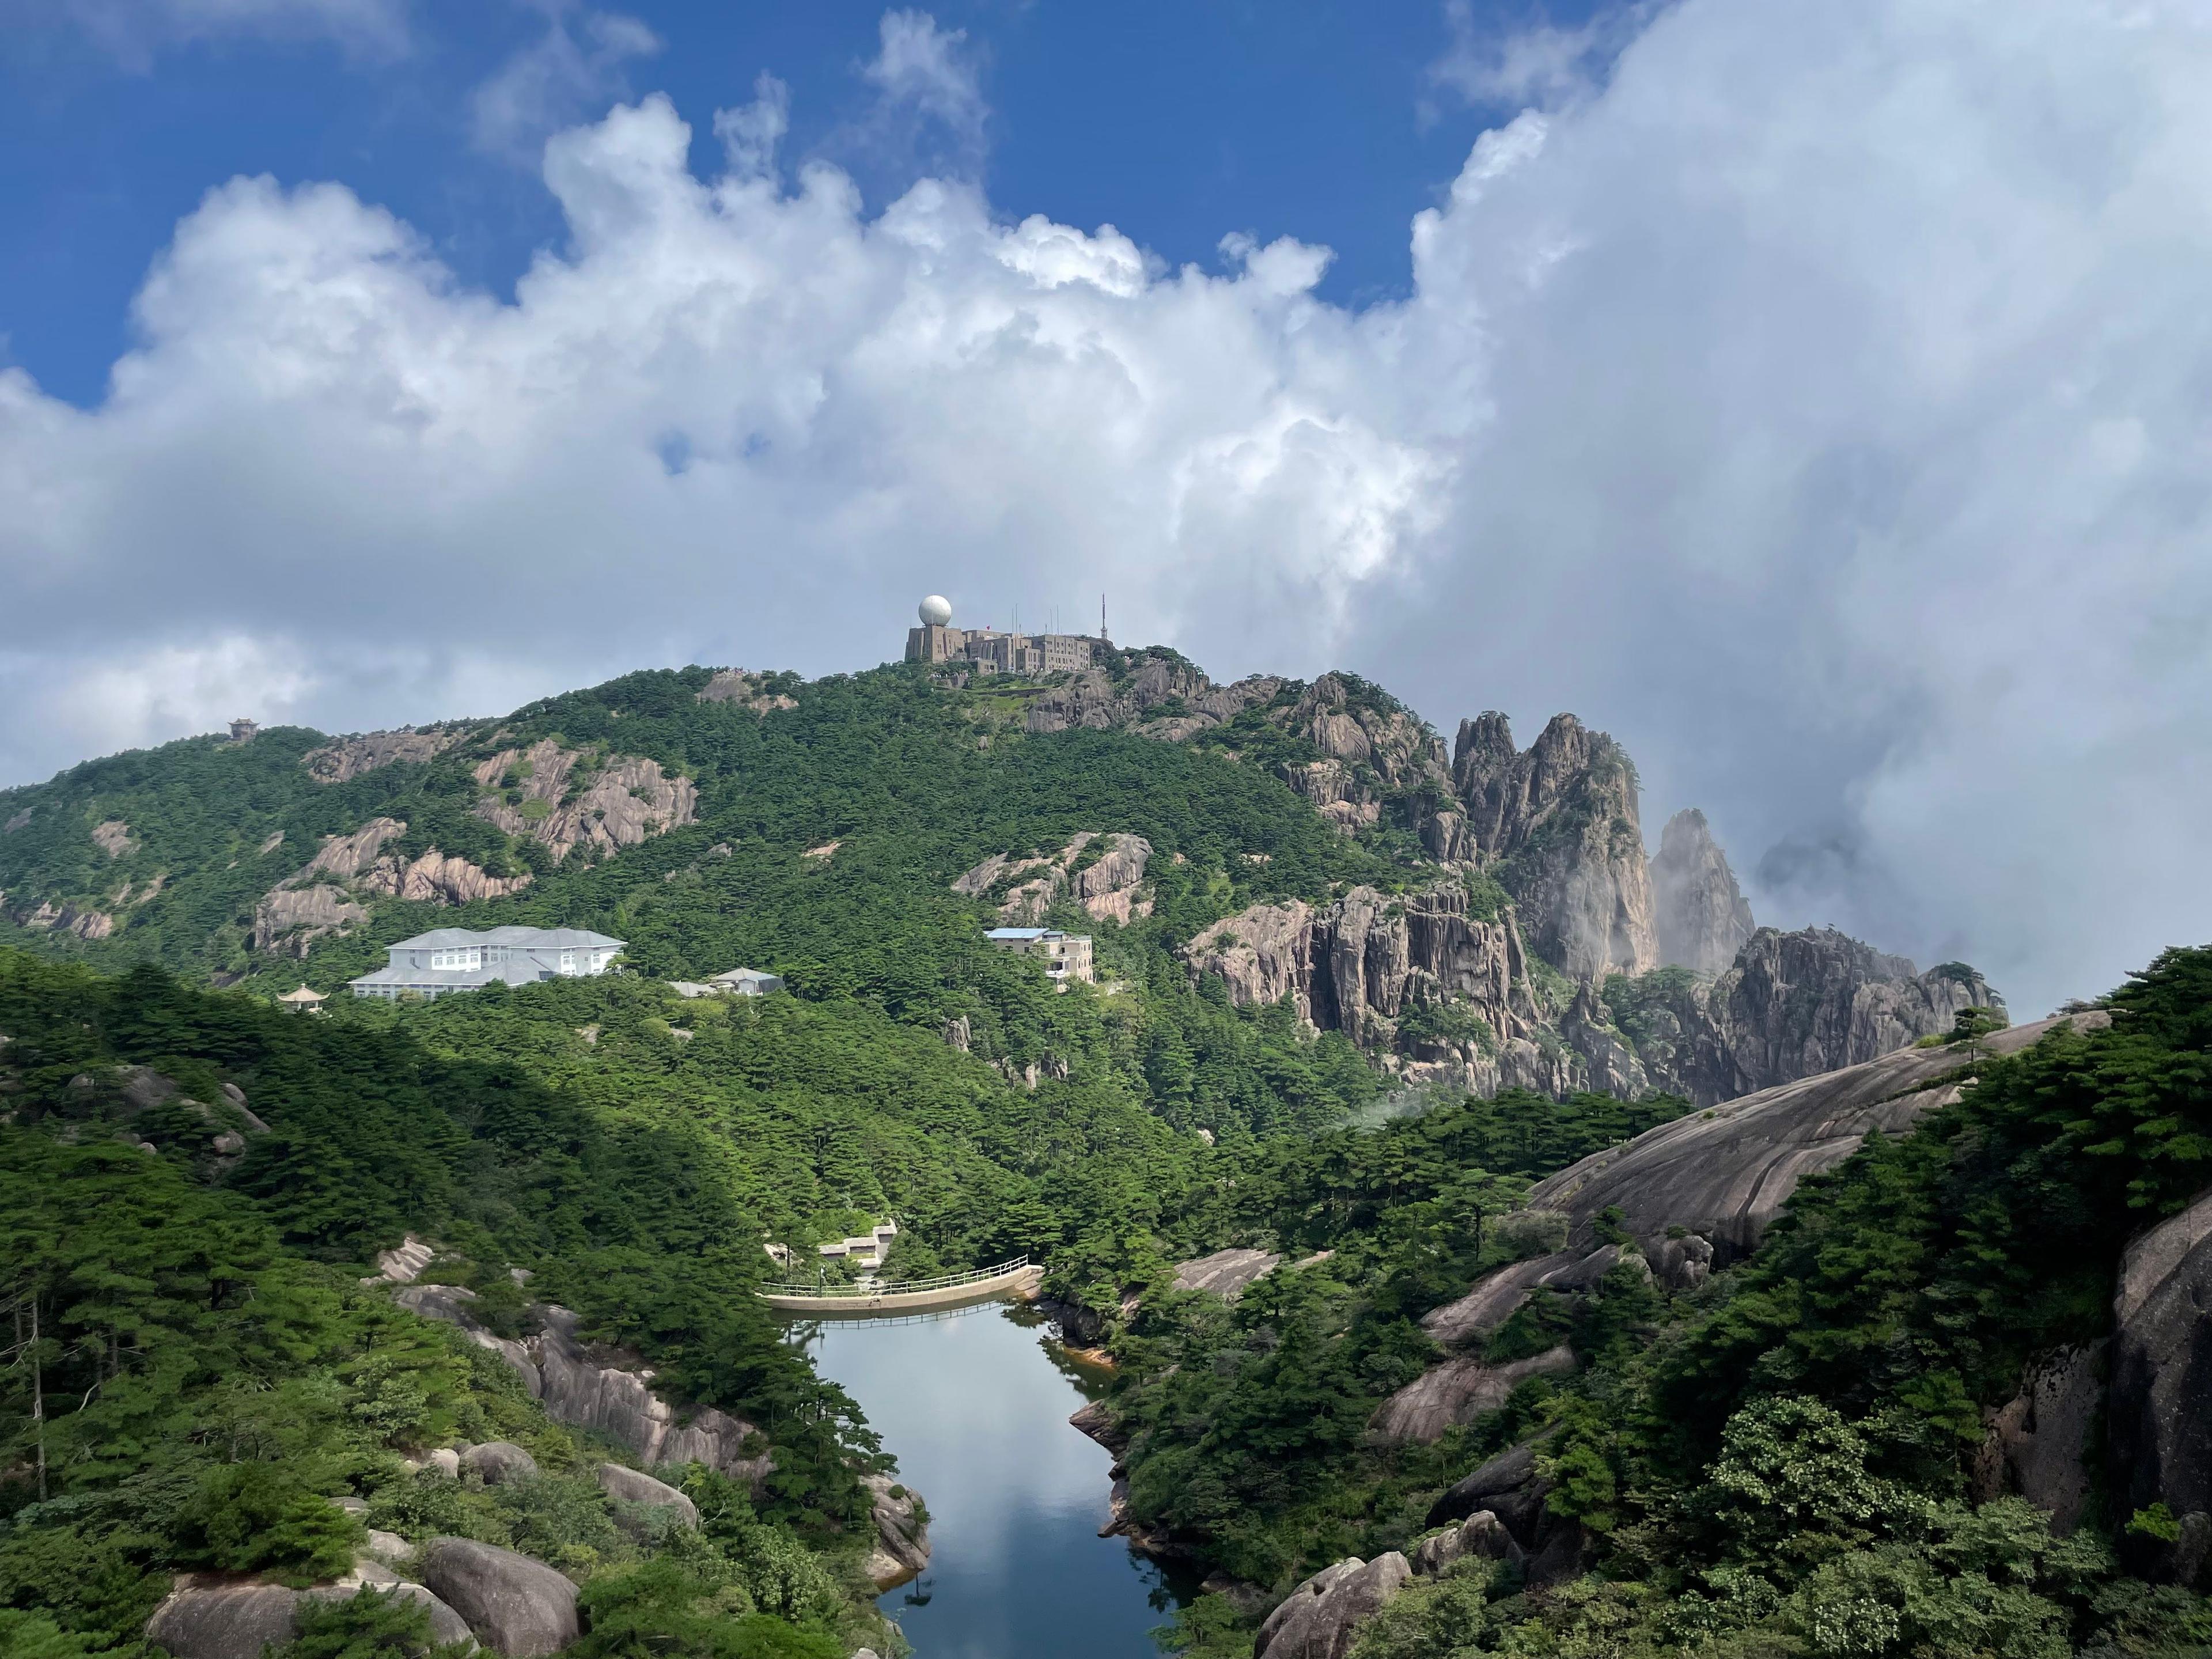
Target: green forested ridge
[
  {"x": 1775, "y": 1463},
  {"x": 1770, "y": 1464}
]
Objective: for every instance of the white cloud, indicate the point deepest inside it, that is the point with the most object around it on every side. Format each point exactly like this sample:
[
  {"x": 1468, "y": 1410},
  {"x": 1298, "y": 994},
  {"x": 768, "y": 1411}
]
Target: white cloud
[
  {"x": 1542, "y": 64},
  {"x": 575, "y": 69},
  {"x": 929, "y": 102},
  {"x": 1820, "y": 407},
  {"x": 135, "y": 29}
]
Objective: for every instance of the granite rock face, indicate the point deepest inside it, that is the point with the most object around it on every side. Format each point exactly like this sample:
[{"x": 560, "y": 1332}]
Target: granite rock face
[
  {"x": 902, "y": 1545},
  {"x": 348, "y": 757},
  {"x": 587, "y": 1386},
  {"x": 1561, "y": 820},
  {"x": 496, "y": 1462},
  {"x": 1497, "y": 1296},
  {"x": 746, "y": 690},
  {"x": 1321, "y": 1618},
  {"x": 517, "y": 1606},
  {"x": 1108, "y": 883},
  {"x": 1481, "y": 1535},
  {"x": 2161, "y": 1384},
  {"x": 1791, "y": 1005},
  {"x": 1458, "y": 1391},
  {"x": 1725, "y": 1172},
  {"x": 1363, "y": 962},
  {"x": 627, "y": 801},
  {"x": 2037, "y": 1444},
  {"x": 325, "y": 897},
  {"x": 1226, "y": 1274},
  {"x": 1702, "y": 918}
]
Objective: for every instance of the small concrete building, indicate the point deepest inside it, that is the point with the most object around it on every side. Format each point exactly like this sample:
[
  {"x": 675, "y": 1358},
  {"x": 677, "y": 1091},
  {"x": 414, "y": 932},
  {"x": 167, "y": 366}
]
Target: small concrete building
[
  {"x": 869, "y": 1250},
  {"x": 1067, "y": 956},
  {"x": 461, "y": 959},
  {"x": 738, "y": 983}
]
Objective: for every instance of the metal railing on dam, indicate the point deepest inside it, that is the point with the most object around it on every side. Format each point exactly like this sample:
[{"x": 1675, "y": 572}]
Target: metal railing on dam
[{"x": 867, "y": 1298}]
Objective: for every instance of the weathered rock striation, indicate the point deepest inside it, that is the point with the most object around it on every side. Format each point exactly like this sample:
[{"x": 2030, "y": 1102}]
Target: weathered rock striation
[
  {"x": 1561, "y": 820},
  {"x": 325, "y": 897},
  {"x": 550, "y": 794},
  {"x": 1109, "y": 883},
  {"x": 1360, "y": 964},
  {"x": 588, "y": 1386},
  {"x": 1701, "y": 916},
  {"x": 1791, "y": 1005},
  {"x": 1226, "y": 1274}
]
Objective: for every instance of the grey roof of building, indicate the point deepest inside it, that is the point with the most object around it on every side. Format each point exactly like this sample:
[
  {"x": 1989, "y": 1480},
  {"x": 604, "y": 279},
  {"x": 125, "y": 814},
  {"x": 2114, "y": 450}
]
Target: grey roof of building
[
  {"x": 748, "y": 975},
  {"x": 453, "y": 979},
  {"x": 1017, "y": 933},
  {"x": 557, "y": 939}
]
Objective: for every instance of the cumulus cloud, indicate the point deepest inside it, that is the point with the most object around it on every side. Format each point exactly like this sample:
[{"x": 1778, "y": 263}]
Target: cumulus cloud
[
  {"x": 133, "y": 29},
  {"x": 1821, "y": 408},
  {"x": 575, "y": 68}
]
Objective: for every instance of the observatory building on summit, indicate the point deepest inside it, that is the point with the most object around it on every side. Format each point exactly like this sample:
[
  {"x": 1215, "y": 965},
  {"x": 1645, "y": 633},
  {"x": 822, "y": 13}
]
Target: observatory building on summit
[{"x": 990, "y": 651}]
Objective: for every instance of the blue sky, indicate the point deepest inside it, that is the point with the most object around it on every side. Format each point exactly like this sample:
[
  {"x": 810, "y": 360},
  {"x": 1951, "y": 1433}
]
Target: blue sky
[
  {"x": 1818, "y": 397},
  {"x": 1178, "y": 123}
]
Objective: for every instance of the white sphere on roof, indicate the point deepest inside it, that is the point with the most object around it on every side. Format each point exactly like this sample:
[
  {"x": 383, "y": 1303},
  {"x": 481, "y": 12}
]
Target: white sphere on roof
[{"x": 936, "y": 611}]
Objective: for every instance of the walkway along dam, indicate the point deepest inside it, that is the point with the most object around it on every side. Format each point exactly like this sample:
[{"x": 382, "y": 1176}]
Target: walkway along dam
[{"x": 1019, "y": 1277}]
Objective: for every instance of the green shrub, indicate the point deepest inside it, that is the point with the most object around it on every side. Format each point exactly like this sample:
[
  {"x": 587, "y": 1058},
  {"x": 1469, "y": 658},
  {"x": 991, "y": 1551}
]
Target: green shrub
[{"x": 257, "y": 1518}]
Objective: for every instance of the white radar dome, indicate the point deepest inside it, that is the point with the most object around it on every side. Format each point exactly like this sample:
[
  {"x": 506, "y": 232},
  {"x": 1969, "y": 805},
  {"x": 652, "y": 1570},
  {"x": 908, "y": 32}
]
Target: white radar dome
[{"x": 936, "y": 611}]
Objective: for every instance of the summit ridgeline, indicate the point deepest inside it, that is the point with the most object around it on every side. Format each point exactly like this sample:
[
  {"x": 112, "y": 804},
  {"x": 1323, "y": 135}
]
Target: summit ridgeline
[{"x": 1485, "y": 915}]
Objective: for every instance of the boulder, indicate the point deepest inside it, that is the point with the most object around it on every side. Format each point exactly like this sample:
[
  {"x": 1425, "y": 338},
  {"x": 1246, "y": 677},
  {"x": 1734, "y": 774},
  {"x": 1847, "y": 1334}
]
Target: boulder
[
  {"x": 225, "y": 1621},
  {"x": 901, "y": 1546},
  {"x": 1320, "y": 1619},
  {"x": 1507, "y": 1486},
  {"x": 445, "y": 1461},
  {"x": 518, "y": 1606},
  {"x": 404, "y": 1265},
  {"x": 2161, "y": 1384},
  {"x": 629, "y": 1486},
  {"x": 1481, "y": 1534},
  {"x": 1458, "y": 1391},
  {"x": 1226, "y": 1274},
  {"x": 389, "y": 1547},
  {"x": 497, "y": 1461}
]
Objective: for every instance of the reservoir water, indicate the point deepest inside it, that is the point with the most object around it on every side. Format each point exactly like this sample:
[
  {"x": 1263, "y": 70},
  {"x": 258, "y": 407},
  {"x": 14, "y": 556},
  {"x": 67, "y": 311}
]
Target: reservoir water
[{"x": 973, "y": 1403}]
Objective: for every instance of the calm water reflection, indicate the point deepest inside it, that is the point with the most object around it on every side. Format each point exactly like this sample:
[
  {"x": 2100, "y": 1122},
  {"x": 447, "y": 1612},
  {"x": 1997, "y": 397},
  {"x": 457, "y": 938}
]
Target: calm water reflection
[{"x": 975, "y": 1407}]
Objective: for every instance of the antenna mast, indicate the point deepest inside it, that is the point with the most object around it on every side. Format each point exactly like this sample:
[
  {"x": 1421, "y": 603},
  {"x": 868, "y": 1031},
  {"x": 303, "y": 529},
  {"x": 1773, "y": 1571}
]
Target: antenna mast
[{"x": 1102, "y": 617}]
